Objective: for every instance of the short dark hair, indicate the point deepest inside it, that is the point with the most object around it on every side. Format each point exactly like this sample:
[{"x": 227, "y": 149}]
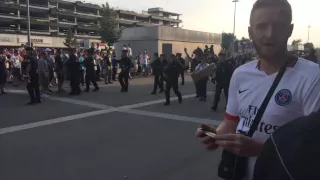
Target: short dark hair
[{"x": 283, "y": 4}]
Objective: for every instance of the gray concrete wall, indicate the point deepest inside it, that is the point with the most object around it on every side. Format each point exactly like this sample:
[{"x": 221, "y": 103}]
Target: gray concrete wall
[
  {"x": 151, "y": 46},
  {"x": 169, "y": 34},
  {"x": 152, "y": 38},
  {"x": 139, "y": 34},
  {"x": 183, "y": 35}
]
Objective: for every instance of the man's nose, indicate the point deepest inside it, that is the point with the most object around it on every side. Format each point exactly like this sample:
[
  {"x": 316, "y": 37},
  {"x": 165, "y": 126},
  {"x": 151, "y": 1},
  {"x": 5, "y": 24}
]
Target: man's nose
[{"x": 270, "y": 32}]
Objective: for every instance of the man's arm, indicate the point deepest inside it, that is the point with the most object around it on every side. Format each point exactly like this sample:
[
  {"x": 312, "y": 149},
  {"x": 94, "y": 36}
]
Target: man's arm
[{"x": 311, "y": 101}]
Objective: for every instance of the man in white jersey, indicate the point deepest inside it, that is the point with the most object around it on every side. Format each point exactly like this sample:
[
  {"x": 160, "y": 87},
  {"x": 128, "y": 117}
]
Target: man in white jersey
[{"x": 297, "y": 94}]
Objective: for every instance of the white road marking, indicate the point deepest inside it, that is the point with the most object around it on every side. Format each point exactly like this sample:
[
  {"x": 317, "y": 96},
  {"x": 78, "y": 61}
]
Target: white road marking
[
  {"x": 79, "y": 102},
  {"x": 104, "y": 110},
  {"x": 170, "y": 116},
  {"x": 17, "y": 91},
  {"x": 148, "y": 103},
  {"x": 102, "y": 106},
  {"x": 53, "y": 121}
]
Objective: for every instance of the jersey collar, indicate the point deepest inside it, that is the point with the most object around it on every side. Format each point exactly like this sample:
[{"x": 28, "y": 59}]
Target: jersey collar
[{"x": 291, "y": 64}]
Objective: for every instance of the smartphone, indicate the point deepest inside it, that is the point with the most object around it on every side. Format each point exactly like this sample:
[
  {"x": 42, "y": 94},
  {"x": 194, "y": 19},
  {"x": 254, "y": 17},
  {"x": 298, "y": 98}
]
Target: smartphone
[{"x": 211, "y": 134}]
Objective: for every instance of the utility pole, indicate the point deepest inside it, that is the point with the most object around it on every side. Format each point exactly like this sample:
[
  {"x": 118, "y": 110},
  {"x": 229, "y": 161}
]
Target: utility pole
[
  {"x": 234, "y": 25},
  {"x": 309, "y": 32},
  {"x": 28, "y": 24}
]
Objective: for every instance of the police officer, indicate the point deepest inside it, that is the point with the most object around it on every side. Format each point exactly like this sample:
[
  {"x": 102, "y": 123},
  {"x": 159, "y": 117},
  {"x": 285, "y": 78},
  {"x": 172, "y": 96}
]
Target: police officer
[
  {"x": 183, "y": 63},
  {"x": 171, "y": 75},
  {"x": 125, "y": 64},
  {"x": 74, "y": 71},
  {"x": 224, "y": 72},
  {"x": 90, "y": 72},
  {"x": 33, "y": 76},
  {"x": 158, "y": 66}
]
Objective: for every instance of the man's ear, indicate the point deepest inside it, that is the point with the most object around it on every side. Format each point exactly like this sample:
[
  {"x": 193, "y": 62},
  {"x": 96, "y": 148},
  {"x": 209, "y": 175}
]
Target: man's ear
[
  {"x": 250, "y": 32},
  {"x": 290, "y": 30}
]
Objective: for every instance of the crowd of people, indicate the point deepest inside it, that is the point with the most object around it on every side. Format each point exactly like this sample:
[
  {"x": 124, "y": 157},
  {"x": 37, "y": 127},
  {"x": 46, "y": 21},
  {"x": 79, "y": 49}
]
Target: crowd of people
[{"x": 84, "y": 67}]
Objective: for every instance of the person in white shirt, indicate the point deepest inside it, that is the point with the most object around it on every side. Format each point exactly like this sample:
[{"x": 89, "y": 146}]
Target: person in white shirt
[
  {"x": 201, "y": 85},
  {"x": 129, "y": 51},
  {"x": 44, "y": 74},
  {"x": 16, "y": 62},
  {"x": 144, "y": 63},
  {"x": 298, "y": 93},
  {"x": 132, "y": 61}
]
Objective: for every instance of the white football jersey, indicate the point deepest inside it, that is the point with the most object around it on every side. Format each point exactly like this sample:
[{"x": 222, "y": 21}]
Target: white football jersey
[{"x": 298, "y": 94}]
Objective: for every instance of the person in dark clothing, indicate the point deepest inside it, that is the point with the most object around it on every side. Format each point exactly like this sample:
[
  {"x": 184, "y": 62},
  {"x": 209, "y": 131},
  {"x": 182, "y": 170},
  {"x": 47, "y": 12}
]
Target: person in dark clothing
[
  {"x": 312, "y": 56},
  {"x": 183, "y": 63},
  {"x": 74, "y": 70},
  {"x": 158, "y": 66},
  {"x": 90, "y": 73},
  {"x": 114, "y": 66},
  {"x": 33, "y": 77},
  {"x": 125, "y": 64},
  {"x": 3, "y": 73},
  {"x": 291, "y": 152},
  {"x": 224, "y": 72},
  {"x": 171, "y": 75}
]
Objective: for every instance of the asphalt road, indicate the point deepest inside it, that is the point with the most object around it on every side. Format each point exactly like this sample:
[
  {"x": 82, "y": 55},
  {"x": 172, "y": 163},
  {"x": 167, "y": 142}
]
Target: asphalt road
[{"x": 106, "y": 135}]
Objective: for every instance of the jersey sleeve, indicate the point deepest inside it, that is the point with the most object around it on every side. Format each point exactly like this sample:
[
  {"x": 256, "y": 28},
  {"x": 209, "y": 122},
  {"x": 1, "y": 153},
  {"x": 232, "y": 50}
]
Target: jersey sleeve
[
  {"x": 311, "y": 101},
  {"x": 232, "y": 105}
]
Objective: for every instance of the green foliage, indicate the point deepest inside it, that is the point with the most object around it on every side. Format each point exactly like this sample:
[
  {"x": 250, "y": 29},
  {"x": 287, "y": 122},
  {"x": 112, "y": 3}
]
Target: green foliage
[
  {"x": 109, "y": 28},
  {"x": 227, "y": 39},
  {"x": 308, "y": 45},
  {"x": 245, "y": 39},
  {"x": 296, "y": 42},
  {"x": 71, "y": 41}
]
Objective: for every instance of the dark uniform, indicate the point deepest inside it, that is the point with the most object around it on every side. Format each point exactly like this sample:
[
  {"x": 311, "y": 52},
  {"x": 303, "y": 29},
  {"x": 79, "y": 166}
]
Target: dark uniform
[
  {"x": 33, "y": 79},
  {"x": 183, "y": 63},
  {"x": 59, "y": 70},
  {"x": 125, "y": 64},
  {"x": 90, "y": 73},
  {"x": 74, "y": 70},
  {"x": 3, "y": 74},
  {"x": 171, "y": 73},
  {"x": 158, "y": 66},
  {"x": 223, "y": 76}
]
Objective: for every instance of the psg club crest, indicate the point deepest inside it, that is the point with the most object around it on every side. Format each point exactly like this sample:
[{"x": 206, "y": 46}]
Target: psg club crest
[{"x": 283, "y": 97}]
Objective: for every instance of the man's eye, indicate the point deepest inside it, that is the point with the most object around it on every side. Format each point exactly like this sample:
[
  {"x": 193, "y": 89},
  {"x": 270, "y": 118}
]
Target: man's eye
[{"x": 261, "y": 26}]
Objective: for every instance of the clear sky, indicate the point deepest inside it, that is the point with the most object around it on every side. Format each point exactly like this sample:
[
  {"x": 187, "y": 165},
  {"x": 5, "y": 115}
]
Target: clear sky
[{"x": 217, "y": 15}]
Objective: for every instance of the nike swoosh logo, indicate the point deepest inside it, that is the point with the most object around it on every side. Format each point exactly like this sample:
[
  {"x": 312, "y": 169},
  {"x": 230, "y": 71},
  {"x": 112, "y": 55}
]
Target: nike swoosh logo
[{"x": 242, "y": 91}]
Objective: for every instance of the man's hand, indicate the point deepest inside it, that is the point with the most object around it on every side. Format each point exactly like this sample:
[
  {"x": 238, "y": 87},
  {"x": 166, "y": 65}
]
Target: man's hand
[
  {"x": 239, "y": 144},
  {"x": 207, "y": 141}
]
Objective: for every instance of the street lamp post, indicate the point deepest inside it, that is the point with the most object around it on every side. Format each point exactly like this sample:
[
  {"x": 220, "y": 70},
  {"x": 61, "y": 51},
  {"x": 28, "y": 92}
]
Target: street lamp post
[
  {"x": 309, "y": 32},
  {"x": 28, "y": 24},
  {"x": 234, "y": 25}
]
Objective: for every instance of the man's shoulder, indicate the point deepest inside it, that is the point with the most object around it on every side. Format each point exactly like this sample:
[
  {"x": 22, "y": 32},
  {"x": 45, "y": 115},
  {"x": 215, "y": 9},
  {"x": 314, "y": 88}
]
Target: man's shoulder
[
  {"x": 248, "y": 67},
  {"x": 307, "y": 68}
]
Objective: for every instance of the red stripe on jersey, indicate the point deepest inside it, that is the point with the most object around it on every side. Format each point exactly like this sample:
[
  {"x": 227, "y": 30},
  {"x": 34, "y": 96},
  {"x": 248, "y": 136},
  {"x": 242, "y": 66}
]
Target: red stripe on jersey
[{"x": 233, "y": 118}]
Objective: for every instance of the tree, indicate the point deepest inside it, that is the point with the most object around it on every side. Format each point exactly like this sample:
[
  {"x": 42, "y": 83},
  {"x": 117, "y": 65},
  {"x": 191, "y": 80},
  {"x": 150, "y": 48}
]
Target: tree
[
  {"x": 245, "y": 39},
  {"x": 227, "y": 39},
  {"x": 109, "y": 25},
  {"x": 308, "y": 45},
  {"x": 71, "y": 41},
  {"x": 296, "y": 42}
]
